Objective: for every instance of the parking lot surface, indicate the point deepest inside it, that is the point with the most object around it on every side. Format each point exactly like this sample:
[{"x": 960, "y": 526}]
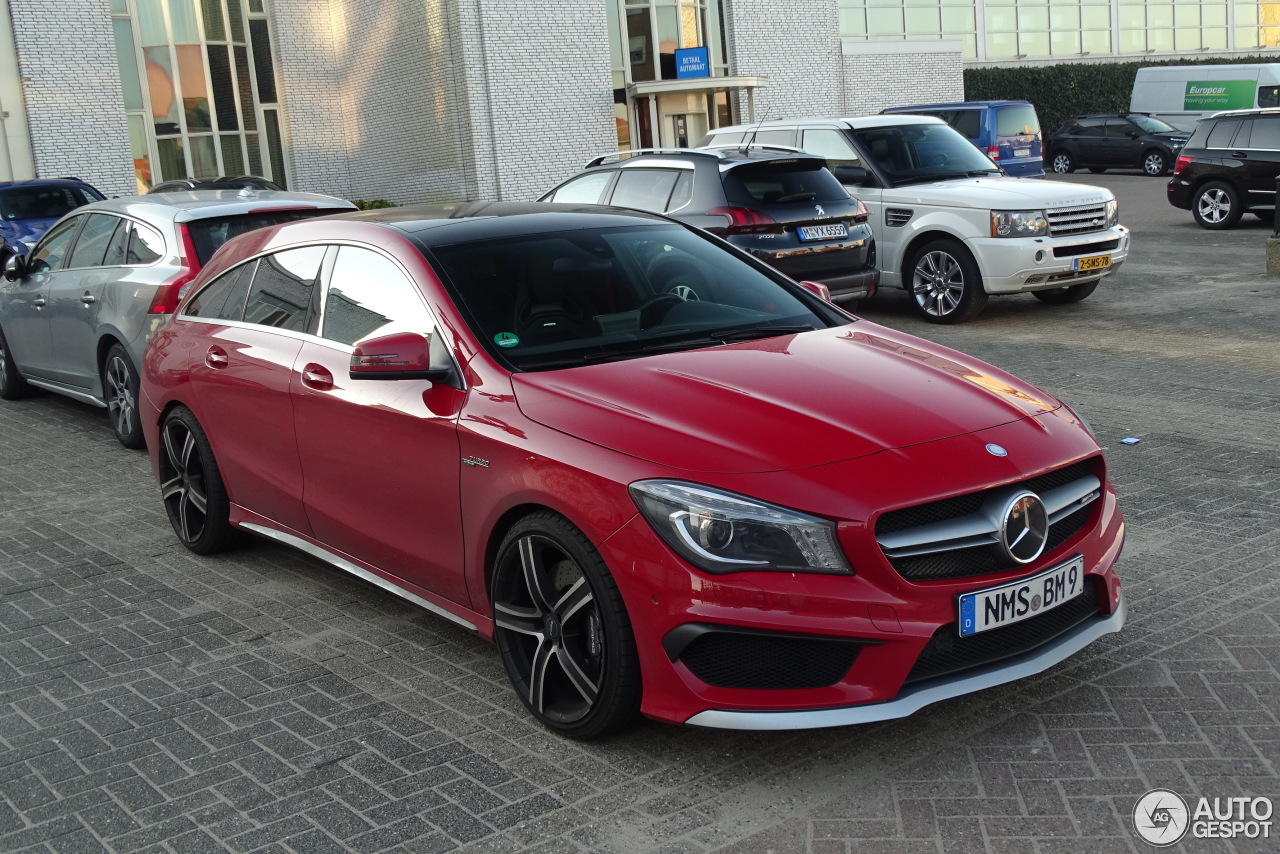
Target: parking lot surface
[{"x": 262, "y": 701}]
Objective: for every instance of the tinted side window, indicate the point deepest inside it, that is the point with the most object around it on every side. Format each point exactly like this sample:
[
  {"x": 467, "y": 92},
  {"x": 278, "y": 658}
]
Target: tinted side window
[
  {"x": 646, "y": 189},
  {"x": 1090, "y": 127},
  {"x": 282, "y": 288},
  {"x": 370, "y": 295},
  {"x": 1266, "y": 135},
  {"x": 1201, "y": 134},
  {"x": 224, "y": 297},
  {"x": 1222, "y": 133},
  {"x": 50, "y": 252},
  {"x": 146, "y": 246},
  {"x": 91, "y": 245},
  {"x": 1119, "y": 128},
  {"x": 585, "y": 189},
  {"x": 773, "y": 137},
  {"x": 1269, "y": 96},
  {"x": 967, "y": 122},
  {"x": 118, "y": 245},
  {"x": 683, "y": 193}
]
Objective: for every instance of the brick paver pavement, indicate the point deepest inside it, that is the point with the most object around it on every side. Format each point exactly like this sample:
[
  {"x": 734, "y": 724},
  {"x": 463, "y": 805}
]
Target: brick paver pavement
[{"x": 261, "y": 701}]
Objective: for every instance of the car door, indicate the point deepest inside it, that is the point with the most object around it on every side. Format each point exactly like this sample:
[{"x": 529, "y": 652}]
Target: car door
[
  {"x": 1091, "y": 141},
  {"x": 26, "y": 307},
  {"x": 1122, "y": 147},
  {"x": 240, "y": 375},
  {"x": 380, "y": 457},
  {"x": 75, "y": 294}
]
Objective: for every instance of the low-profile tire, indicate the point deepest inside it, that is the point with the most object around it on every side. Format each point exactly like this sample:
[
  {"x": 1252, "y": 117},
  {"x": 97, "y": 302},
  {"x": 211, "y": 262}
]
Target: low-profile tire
[
  {"x": 1216, "y": 205},
  {"x": 191, "y": 485},
  {"x": 944, "y": 283},
  {"x": 1097, "y": 170},
  {"x": 1061, "y": 296},
  {"x": 12, "y": 385},
  {"x": 1062, "y": 163},
  {"x": 1155, "y": 163},
  {"x": 120, "y": 388},
  {"x": 562, "y": 629}
]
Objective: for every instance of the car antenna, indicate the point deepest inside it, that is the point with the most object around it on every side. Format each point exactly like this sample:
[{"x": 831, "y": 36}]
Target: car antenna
[{"x": 747, "y": 143}]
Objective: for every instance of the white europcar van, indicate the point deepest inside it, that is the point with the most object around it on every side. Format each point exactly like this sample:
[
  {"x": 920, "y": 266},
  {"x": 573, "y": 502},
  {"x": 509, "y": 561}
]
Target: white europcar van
[
  {"x": 1183, "y": 94},
  {"x": 950, "y": 226}
]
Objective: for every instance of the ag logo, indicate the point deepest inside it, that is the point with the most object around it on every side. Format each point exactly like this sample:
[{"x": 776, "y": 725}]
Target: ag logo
[{"x": 1160, "y": 817}]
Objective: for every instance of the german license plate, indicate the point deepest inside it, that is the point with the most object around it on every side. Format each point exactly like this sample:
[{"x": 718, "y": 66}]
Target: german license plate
[
  {"x": 1022, "y": 152},
  {"x": 823, "y": 232},
  {"x": 1021, "y": 600},
  {"x": 1093, "y": 262}
]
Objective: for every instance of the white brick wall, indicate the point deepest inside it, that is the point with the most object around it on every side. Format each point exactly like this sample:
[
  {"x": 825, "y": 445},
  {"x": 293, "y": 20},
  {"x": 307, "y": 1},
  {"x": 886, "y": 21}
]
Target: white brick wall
[
  {"x": 795, "y": 45},
  {"x": 71, "y": 85},
  {"x": 896, "y": 74}
]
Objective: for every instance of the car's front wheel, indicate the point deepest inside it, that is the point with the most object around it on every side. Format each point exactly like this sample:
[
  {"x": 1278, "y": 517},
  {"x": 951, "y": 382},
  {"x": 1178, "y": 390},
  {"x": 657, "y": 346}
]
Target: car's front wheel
[
  {"x": 1216, "y": 205},
  {"x": 1155, "y": 163},
  {"x": 1062, "y": 163},
  {"x": 1060, "y": 296},
  {"x": 191, "y": 485},
  {"x": 120, "y": 388},
  {"x": 562, "y": 629},
  {"x": 12, "y": 385},
  {"x": 944, "y": 283}
]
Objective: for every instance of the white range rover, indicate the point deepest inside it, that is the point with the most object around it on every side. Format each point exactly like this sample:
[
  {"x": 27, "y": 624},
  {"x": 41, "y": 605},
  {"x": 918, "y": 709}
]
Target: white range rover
[{"x": 949, "y": 225}]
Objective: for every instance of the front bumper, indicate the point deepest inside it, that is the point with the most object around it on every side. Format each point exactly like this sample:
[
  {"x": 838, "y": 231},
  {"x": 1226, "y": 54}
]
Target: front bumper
[
  {"x": 911, "y": 700},
  {"x": 1015, "y": 265}
]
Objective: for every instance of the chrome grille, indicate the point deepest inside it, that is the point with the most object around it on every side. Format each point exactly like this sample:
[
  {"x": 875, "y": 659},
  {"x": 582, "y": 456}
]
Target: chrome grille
[
  {"x": 1077, "y": 220},
  {"x": 897, "y": 217},
  {"x": 955, "y": 537}
]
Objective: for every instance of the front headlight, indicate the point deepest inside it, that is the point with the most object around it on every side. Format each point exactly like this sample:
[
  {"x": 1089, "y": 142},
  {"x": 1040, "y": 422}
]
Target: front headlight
[
  {"x": 1019, "y": 224},
  {"x": 722, "y": 532},
  {"x": 1113, "y": 213}
]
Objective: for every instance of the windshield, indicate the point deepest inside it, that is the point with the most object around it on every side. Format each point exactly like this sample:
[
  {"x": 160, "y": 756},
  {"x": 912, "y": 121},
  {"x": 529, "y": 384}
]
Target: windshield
[
  {"x": 49, "y": 202},
  {"x": 914, "y": 153},
  {"x": 561, "y": 299},
  {"x": 1151, "y": 125}
]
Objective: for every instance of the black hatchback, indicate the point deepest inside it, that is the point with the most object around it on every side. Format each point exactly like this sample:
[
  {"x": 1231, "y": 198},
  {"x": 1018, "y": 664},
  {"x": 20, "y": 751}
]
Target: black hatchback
[
  {"x": 782, "y": 206},
  {"x": 1118, "y": 140}
]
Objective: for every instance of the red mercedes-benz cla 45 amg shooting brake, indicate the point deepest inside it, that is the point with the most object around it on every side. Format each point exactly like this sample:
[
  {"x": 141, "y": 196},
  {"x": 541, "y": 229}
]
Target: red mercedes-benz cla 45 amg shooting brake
[{"x": 662, "y": 477}]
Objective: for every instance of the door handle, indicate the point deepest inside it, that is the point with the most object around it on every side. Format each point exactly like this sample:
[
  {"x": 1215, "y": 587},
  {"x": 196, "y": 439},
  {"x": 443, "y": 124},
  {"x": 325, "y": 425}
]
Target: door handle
[
  {"x": 39, "y": 302},
  {"x": 1240, "y": 154},
  {"x": 317, "y": 377},
  {"x": 217, "y": 358},
  {"x": 88, "y": 299}
]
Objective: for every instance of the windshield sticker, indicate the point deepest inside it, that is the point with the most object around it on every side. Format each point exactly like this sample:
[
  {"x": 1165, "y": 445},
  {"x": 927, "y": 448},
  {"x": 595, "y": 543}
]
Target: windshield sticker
[{"x": 506, "y": 339}]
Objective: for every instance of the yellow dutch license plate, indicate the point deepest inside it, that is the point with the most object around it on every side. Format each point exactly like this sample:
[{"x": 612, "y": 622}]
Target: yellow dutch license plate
[{"x": 1093, "y": 262}]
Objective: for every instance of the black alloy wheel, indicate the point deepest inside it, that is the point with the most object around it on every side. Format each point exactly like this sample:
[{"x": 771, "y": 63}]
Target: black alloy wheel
[
  {"x": 562, "y": 629},
  {"x": 944, "y": 283},
  {"x": 1061, "y": 296},
  {"x": 191, "y": 485},
  {"x": 120, "y": 387},
  {"x": 12, "y": 385},
  {"x": 1155, "y": 163}
]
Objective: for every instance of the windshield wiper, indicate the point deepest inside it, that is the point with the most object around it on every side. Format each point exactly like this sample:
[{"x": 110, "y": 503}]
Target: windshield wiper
[
  {"x": 727, "y": 337},
  {"x": 754, "y": 332}
]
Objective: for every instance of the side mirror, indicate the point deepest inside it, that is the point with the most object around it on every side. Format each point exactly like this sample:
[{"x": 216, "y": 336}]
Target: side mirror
[
  {"x": 1133, "y": 134},
  {"x": 15, "y": 267},
  {"x": 404, "y": 356},
  {"x": 817, "y": 289},
  {"x": 850, "y": 174}
]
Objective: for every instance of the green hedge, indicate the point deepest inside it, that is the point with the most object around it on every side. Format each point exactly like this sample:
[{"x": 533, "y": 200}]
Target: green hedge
[{"x": 1070, "y": 89}]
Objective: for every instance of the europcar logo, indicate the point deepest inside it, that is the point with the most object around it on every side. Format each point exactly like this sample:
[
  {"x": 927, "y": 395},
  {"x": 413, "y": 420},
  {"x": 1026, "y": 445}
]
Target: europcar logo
[{"x": 1162, "y": 818}]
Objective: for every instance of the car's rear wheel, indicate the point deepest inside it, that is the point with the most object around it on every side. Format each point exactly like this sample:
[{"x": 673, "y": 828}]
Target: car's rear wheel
[
  {"x": 1062, "y": 163},
  {"x": 1155, "y": 163},
  {"x": 1216, "y": 205},
  {"x": 191, "y": 485},
  {"x": 1060, "y": 296},
  {"x": 562, "y": 629},
  {"x": 945, "y": 284},
  {"x": 120, "y": 388},
  {"x": 12, "y": 385}
]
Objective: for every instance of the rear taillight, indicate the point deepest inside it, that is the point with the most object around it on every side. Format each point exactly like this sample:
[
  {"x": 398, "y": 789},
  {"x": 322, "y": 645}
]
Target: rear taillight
[
  {"x": 1181, "y": 163},
  {"x": 862, "y": 213},
  {"x": 170, "y": 293},
  {"x": 744, "y": 221},
  {"x": 993, "y": 151}
]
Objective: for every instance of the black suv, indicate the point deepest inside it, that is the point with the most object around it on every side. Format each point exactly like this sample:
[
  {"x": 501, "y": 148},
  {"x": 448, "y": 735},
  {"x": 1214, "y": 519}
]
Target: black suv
[
  {"x": 782, "y": 206},
  {"x": 1228, "y": 167},
  {"x": 1119, "y": 140}
]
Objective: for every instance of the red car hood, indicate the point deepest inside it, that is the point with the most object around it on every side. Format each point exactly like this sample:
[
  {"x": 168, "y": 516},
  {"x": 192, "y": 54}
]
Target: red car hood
[{"x": 780, "y": 403}]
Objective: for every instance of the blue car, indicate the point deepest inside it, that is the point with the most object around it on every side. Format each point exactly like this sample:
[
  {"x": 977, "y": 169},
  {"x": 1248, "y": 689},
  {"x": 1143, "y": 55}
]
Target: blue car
[
  {"x": 29, "y": 208},
  {"x": 1006, "y": 131}
]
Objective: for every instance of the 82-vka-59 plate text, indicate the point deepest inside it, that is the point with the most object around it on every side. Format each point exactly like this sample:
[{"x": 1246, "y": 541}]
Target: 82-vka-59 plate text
[{"x": 1021, "y": 600}]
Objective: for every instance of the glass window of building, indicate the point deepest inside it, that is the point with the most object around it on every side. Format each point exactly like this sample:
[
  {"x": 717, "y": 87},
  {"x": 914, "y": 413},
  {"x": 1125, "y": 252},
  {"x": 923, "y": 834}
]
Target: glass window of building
[{"x": 200, "y": 89}]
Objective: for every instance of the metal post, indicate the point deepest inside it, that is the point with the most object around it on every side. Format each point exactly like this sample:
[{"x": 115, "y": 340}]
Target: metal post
[{"x": 1275, "y": 223}]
